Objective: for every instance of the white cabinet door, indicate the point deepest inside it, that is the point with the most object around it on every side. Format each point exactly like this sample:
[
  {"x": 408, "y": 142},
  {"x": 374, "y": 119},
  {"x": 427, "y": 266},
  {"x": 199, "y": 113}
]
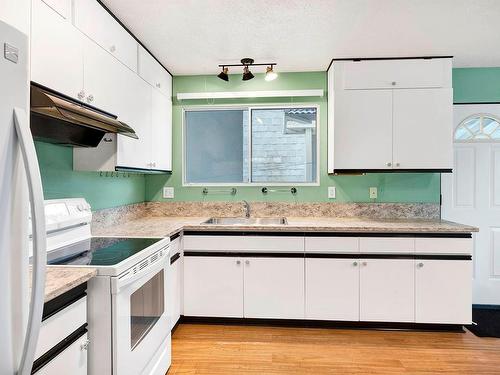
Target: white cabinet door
[
  {"x": 93, "y": 20},
  {"x": 56, "y": 51},
  {"x": 422, "y": 122},
  {"x": 362, "y": 129},
  {"x": 63, "y": 7},
  {"x": 443, "y": 291},
  {"x": 387, "y": 290},
  {"x": 213, "y": 286},
  {"x": 274, "y": 288},
  {"x": 153, "y": 73},
  {"x": 380, "y": 74},
  {"x": 72, "y": 360},
  {"x": 332, "y": 289},
  {"x": 161, "y": 146}
]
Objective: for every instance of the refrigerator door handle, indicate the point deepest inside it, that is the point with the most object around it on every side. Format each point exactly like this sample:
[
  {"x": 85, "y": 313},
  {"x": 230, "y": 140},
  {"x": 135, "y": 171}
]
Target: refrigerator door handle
[{"x": 39, "y": 259}]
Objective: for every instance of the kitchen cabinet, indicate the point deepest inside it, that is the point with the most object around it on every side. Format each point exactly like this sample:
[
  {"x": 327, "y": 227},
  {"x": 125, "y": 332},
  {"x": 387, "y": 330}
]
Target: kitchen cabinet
[
  {"x": 387, "y": 290},
  {"x": 161, "y": 128},
  {"x": 443, "y": 291},
  {"x": 95, "y": 22},
  {"x": 383, "y": 114},
  {"x": 56, "y": 51},
  {"x": 72, "y": 360},
  {"x": 213, "y": 286},
  {"x": 153, "y": 73},
  {"x": 332, "y": 289},
  {"x": 274, "y": 288},
  {"x": 175, "y": 283}
]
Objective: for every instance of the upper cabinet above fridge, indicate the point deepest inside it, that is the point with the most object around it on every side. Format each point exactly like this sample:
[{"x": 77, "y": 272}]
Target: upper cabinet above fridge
[{"x": 390, "y": 115}]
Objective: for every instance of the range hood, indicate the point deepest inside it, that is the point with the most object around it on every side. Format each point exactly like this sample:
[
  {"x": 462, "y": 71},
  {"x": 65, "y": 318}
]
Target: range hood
[{"x": 56, "y": 118}]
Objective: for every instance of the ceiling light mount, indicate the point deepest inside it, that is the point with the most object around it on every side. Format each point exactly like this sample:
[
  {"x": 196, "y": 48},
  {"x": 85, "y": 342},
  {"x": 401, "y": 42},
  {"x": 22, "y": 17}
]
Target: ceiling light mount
[{"x": 247, "y": 74}]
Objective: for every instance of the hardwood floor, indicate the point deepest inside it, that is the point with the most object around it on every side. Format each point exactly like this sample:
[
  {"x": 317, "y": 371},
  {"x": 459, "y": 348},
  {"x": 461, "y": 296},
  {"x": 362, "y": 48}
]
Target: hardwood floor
[{"x": 230, "y": 349}]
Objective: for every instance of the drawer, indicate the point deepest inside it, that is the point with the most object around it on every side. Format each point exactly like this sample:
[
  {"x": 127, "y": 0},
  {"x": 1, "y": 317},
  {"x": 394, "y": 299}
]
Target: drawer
[
  {"x": 332, "y": 244},
  {"x": 153, "y": 73},
  {"x": 387, "y": 74},
  {"x": 244, "y": 243},
  {"x": 386, "y": 245},
  {"x": 443, "y": 245},
  {"x": 72, "y": 360},
  {"x": 95, "y": 22},
  {"x": 60, "y": 325}
]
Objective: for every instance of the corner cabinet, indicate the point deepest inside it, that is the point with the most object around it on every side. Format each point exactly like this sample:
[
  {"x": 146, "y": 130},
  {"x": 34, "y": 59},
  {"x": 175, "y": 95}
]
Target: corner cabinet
[
  {"x": 100, "y": 64},
  {"x": 390, "y": 115}
]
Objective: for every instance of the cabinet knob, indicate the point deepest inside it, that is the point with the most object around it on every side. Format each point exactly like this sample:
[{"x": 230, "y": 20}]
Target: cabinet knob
[
  {"x": 389, "y": 164},
  {"x": 420, "y": 265},
  {"x": 238, "y": 262},
  {"x": 85, "y": 345},
  {"x": 355, "y": 264},
  {"x": 247, "y": 262},
  {"x": 90, "y": 98},
  {"x": 81, "y": 95},
  {"x": 393, "y": 83},
  {"x": 112, "y": 48},
  {"x": 364, "y": 264},
  {"x": 397, "y": 164},
  {"x": 158, "y": 85},
  {"x": 154, "y": 164}
]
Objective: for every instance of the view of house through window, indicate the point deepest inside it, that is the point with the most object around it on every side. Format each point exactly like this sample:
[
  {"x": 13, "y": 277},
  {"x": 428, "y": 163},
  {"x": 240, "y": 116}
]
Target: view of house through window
[{"x": 250, "y": 145}]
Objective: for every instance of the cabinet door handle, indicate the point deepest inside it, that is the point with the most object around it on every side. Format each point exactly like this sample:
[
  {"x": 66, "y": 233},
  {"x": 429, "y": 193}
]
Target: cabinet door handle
[
  {"x": 158, "y": 85},
  {"x": 90, "y": 98},
  {"x": 81, "y": 95},
  {"x": 420, "y": 265},
  {"x": 112, "y": 48},
  {"x": 247, "y": 262},
  {"x": 355, "y": 264},
  {"x": 389, "y": 164},
  {"x": 364, "y": 264},
  {"x": 238, "y": 262},
  {"x": 397, "y": 164},
  {"x": 393, "y": 83}
]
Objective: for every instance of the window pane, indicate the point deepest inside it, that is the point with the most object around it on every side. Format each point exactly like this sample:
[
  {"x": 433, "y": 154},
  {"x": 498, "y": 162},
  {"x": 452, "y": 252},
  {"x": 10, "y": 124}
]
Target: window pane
[
  {"x": 284, "y": 145},
  {"x": 462, "y": 133},
  {"x": 215, "y": 146},
  {"x": 489, "y": 125}
]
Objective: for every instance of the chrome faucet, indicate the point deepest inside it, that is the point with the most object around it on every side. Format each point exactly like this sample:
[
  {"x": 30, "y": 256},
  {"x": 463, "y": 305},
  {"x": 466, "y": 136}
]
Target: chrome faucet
[{"x": 247, "y": 209}]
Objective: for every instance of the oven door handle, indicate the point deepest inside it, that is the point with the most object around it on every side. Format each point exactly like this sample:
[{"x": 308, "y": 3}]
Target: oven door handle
[{"x": 128, "y": 277}]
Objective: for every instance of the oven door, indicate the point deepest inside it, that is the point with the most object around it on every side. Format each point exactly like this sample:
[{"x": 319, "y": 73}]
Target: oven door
[{"x": 140, "y": 319}]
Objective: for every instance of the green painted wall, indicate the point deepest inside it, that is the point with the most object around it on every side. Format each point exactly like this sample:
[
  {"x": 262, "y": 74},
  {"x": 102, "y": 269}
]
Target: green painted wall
[
  {"x": 392, "y": 187},
  {"x": 60, "y": 181}
]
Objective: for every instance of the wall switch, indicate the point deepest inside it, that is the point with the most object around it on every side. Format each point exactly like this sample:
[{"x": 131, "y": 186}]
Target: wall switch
[
  {"x": 331, "y": 192},
  {"x": 168, "y": 192},
  {"x": 373, "y": 193}
]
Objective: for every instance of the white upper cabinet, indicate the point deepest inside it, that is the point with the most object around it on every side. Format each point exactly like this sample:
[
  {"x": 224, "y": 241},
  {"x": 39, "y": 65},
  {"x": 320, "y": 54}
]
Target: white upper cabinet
[
  {"x": 161, "y": 123},
  {"x": 93, "y": 20},
  {"x": 388, "y": 74},
  {"x": 383, "y": 114},
  {"x": 56, "y": 50},
  {"x": 153, "y": 73}
]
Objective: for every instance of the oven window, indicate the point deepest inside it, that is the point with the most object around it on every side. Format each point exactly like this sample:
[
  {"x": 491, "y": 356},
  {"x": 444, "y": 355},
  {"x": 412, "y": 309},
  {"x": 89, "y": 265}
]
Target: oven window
[{"x": 146, "y": 308}]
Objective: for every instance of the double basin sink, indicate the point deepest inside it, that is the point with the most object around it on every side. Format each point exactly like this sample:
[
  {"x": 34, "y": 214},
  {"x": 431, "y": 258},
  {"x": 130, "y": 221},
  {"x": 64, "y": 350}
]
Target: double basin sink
[{"x": 246, "y": 221}]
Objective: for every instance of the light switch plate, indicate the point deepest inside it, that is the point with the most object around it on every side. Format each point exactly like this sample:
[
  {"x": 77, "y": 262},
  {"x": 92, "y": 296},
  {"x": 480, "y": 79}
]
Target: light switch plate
[
  {"x": 332, "y": 192},
  {"x": 373, "y": 193},
  {"x": 168, "y": 192}
]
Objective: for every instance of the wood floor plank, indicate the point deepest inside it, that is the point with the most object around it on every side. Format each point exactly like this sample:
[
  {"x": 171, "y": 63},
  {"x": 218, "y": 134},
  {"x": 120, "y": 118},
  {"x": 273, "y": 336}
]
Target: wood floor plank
[{"x": 200, "y": 349}]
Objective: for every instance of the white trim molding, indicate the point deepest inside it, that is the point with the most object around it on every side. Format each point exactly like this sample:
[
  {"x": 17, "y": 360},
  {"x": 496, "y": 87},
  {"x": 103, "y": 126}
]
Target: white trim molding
[{"x": 249, "y": 94}]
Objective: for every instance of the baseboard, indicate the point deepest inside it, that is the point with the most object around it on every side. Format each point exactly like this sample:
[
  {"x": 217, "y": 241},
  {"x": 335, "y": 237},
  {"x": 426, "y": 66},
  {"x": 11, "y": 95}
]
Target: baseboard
[{"x": 334, "y": 324}]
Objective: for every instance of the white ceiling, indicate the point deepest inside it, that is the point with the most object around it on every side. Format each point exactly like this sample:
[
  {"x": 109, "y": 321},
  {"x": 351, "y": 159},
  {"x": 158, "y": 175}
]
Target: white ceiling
[{"x": 194, "y": 36}]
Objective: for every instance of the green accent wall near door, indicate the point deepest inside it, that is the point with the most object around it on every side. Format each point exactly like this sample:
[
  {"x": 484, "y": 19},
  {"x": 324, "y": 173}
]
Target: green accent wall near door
[{"x": 59, "y": 179}]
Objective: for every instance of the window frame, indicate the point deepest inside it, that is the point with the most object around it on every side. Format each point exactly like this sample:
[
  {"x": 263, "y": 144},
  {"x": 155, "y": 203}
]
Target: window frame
[
  {"x": 250, "y": 107},
  {"x": 480, "y": 115}
]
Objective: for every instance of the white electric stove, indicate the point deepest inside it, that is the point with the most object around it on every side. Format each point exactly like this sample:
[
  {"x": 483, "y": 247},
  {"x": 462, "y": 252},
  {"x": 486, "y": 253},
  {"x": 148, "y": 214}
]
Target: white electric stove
[{"x": 128, "y": 311}]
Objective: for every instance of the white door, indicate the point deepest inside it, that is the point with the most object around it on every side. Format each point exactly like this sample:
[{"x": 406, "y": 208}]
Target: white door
[
  {"x": 387, "y": 290},
  {"x": 443, "y": 291},
  {"x": 56, "y": 52},
  {"x": 471, "y": 195},
  {"x": 274, "y": 288},
  {"x": 422, "y": 129},
  {"x": 213, "y": 286},
  {"x": 161, "y": 142},
  {"x": 332, "y": 289},
  {"x": 362, "y": 129}
]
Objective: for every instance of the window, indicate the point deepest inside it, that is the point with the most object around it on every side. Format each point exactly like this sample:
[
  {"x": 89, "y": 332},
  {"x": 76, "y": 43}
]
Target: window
[
  {"x": 265, "y": 145},
  {"x": 480, "y": 127}
]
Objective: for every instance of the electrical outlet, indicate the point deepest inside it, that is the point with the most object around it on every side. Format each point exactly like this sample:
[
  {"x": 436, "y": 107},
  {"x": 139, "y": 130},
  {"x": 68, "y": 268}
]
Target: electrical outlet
[
  {"x": 331, "y": 192},
  {"x": 168, "y": 192},
  {"x": 373, "y": 193}
]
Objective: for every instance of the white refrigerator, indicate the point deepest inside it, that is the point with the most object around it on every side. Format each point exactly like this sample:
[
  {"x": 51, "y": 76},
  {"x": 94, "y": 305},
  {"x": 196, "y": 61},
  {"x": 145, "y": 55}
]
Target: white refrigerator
[{"x": 21, "y": 195}]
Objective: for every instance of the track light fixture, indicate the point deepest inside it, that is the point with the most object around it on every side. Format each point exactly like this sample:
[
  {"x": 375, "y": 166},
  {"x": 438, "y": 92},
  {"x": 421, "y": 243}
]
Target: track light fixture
[{"x": 247, "y": 74}]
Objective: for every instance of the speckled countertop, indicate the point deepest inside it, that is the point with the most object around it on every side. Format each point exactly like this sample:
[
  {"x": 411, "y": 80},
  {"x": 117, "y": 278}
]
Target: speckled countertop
[
  {"x": 152, "y": 226},
  {"x": 60, "y": 279}
]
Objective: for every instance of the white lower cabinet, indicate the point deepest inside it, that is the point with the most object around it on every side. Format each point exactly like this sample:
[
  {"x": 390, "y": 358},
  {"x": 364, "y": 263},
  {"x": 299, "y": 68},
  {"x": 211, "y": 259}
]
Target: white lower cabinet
[
  {"x": 213, "y": 286},
  {"x": 175, "y": 281},
  {"x": 274, "y": 288},
  {"x": 332, "y": 289},
  {"x": 387, "y": 290},
  {"x": 72, "y": 360},
  {"x": 443, "y": 291}
]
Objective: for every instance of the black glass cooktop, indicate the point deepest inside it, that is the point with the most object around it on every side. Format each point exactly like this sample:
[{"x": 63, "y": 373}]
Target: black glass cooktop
[{"x": 99, "y": 251}]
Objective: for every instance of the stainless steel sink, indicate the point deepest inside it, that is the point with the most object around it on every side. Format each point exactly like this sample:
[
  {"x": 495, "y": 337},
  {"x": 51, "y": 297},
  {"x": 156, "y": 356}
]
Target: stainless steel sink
[{"x": 246, "y": 221}]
